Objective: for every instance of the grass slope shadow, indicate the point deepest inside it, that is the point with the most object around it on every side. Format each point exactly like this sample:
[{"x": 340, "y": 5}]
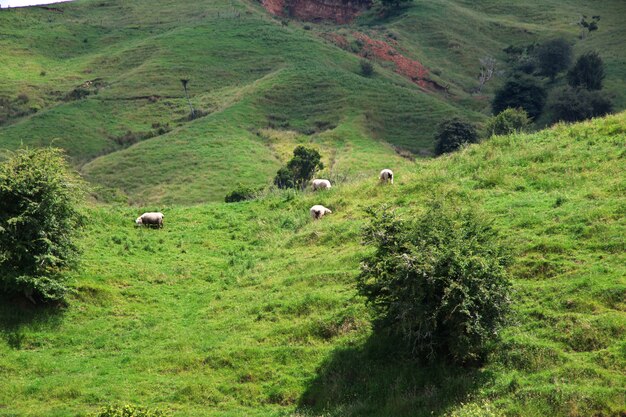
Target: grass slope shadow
[
  {"x": 17, "y": 313},
  {"x": 378, "y": 378}
]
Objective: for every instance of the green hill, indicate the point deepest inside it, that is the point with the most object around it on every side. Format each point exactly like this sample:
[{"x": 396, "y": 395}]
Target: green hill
[
  {"x": 97, "y": 77},
  {"x": 251, "y": 309}
]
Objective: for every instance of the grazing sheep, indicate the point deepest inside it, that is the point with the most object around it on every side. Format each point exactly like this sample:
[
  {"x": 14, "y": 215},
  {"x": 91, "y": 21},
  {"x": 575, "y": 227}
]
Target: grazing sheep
[
  {"x": 318, "y": 211},
  {"x": 320, "y": 185},
  {"x": 150, "y": 219},
  {"x": 386, "y": 175}
]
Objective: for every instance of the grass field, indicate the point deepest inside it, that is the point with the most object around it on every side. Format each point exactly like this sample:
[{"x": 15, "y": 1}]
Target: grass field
[
  {"x": 251, "y": 309},
  {"x": 86, "y": 77}
]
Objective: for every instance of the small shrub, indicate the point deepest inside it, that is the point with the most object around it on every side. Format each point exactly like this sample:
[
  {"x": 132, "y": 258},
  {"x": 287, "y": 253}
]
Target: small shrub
[
  {"x": 439, "y": 281},
  {"x": 367, "y": 69},
  {"x": 300, "y": 169},
  {"x": 507, "y": 122},
  {"x": 241, "y": 193},
  {"x": 39, "y": 219},
  {"x": 129, "y": 411},
  {"x": 452, "y": 133}
]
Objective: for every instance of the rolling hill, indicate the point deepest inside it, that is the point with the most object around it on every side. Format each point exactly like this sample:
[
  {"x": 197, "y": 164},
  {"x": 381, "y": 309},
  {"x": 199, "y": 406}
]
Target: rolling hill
[
  {"x": 102, "y": 80},
  {"x": 251, "y": 309}
]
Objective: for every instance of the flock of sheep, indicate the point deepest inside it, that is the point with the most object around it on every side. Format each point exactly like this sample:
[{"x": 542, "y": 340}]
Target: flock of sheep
[{"x": 317, "y": 211}]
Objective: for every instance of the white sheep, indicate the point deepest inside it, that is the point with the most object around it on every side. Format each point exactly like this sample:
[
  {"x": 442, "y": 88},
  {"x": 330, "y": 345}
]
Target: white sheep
[
  {"x": 318, "y": 211},
  {"x": 320, "y": 185},
  {"x": 386, "y": 175},
  {"x": 150, "y": 219}
]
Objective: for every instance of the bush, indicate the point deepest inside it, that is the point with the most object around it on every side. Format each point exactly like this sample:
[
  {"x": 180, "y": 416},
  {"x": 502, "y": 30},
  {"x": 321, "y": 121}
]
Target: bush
[
  {"x": 39, "y": 219},
  {"x": 522, "y": 91},
  {"x": 129, "y": 411},
  {"x": 452, "y": 133},
  {"x": 553, "y": 57},
  {"x": 241, "y": 193},
  {"x": 588, "y": 72},
  {"x": 576, "y": 104},
  {"x": 507, "y": 122},
  {"x": 300, "y": 169},
  {"x": 367, "y": 69},
  {"x": 439, "y": 281}
]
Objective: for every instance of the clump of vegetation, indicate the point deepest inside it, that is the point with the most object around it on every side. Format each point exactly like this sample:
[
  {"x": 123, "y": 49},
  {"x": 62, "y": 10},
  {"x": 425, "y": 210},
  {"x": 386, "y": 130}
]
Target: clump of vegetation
[
  {"x": 439, "y": 281},
  {"x": 242, "y": 193},
  {"x": 452, "y": 134},
  {"x": 507, "y": 122},
  {"x": 300, "y": 169},
  {"x": 520, "y": 91},
  {"x": 587, "y": 72},
  {"x": 575, "y": 104},
  {"x": 553, "y": 57},
  {"x": 39, "y": 220},
  {"x": 367, "y": 69},
  {"x": 129, "y": 411}
]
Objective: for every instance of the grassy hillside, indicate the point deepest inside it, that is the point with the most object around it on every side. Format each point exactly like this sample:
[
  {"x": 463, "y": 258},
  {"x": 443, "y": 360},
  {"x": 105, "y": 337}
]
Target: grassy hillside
[
  {"x": 94, "y": 77},
  {"x": 250, "y": 308}
]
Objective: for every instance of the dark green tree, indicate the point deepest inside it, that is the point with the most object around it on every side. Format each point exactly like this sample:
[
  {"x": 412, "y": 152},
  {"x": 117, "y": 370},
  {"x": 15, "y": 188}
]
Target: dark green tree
[
  {"x": 452, "y": 133},
  {"x": 521, "y": 91},
  {"x": 39, "y": 220},
  {"x": 300, "y": 169},
  {"x": 575, "y": 104},
  {"x": 553, "y": 57},
  {"x": 439, "y": 281},
  {"x": 367, "y": 69},
  {"x": 587, "y": 72}
]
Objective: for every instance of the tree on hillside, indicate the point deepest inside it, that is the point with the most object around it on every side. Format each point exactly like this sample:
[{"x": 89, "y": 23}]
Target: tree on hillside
[
  {"x": 185, "y": 82},
  {"x": 587, "y": 26},
  {"x": 300, "y": 169},
  {"x": 520, "y": 91},
  {"x": 587, "y": 72},
  {"x": 39, "y": 220},
  {"x": 452, "y": 134},
  {"x": 439, "y": 281},
  {"x": 553, "y": 57},
  {"x": 575, "y": 104},
  {"x": 488, "y": 67}
]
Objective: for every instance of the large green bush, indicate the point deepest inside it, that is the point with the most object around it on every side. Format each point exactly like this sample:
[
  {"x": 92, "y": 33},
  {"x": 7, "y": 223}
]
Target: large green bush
[
  {"x": 439, "y": 281},
  {"x": 39, "y": 219},
  {"x": 553, "y": 57}
]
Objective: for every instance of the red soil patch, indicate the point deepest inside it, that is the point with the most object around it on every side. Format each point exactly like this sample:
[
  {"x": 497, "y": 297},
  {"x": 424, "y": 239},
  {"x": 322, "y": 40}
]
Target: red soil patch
[
  {"x": 275, "y": 7},
  {"x": 410, "y": 68},
  {"x": 338, "y": 11}
]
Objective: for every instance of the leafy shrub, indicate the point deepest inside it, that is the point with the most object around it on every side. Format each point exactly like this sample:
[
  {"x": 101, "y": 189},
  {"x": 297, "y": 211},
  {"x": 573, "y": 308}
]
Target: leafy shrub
[
  {"x": 439, "y": 281},
  {"x": 587, "y": 72},
  {"x": 452, "y": 133},
  {"x": 521, "y": 91},
  {"x": 553, "y": 57},
  {"x": 507, "y": 122},
  {"x": 576, "y": 104},
  {"x": 241, "y": 193},
  {"x": 300, "y": 169},
  {"x": 129, "y": 411},
  {"x": 367, "y": 69},
  {"x": 39, "y": 219}
]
